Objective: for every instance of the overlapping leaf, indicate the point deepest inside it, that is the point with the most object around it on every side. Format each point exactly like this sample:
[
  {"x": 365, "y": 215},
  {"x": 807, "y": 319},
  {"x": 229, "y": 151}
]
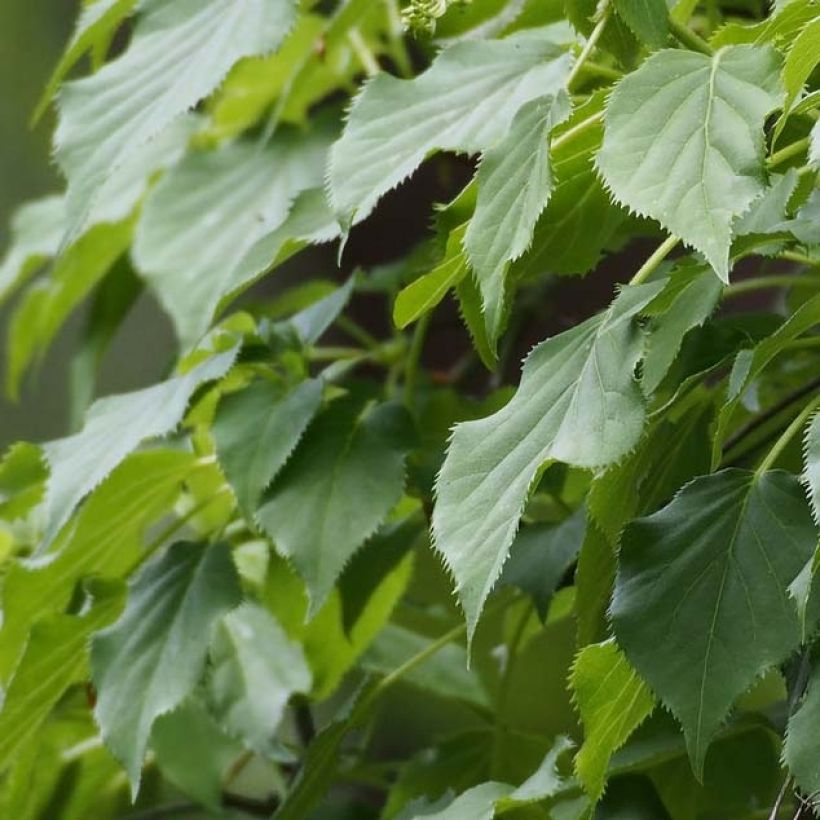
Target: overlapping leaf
[
  {"x": 181, "y": 50},
  {"x": 700, "y": 605},
  {"x": 464, "y": 102},
  {"x": 683, "y": 141},
  {"x": 149, "y": 661},
  {"x": 578, "y": 402}
]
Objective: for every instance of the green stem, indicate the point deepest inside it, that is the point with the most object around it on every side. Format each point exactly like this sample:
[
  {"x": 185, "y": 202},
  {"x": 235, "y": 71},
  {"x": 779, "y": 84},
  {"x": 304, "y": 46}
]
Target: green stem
[
  {"x": 604, "y": 71},
  {"x": 792, "y": 150},
  {"x": 360, "y": 48},
  {"x": 650, "y": 266},
  {"x": 787, "y": 436},
  {"x": 590, "y": 44},
  {"x": 800, "y": 258},
  {"x": 582, "y": 127},
  {"x": 414, "y": 359},
  {"x": 688, "y": 37},
  {"x": 357, "y": 332},
  {"x": 767, "y": 282}
]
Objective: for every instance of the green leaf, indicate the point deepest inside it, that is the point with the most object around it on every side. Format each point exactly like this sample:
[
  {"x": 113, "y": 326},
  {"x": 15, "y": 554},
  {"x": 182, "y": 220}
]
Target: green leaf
[
  {"x": 149, "y": 661},
  {"x": 647, "y": 19},
  {"x": 540, "y": 556},
  {"x": 193, "y": 753},
  {"x": 96, "y": 26},
  {"x": 802, "y": 59},
  {"x": 243, "y": 191},
  {"x": 55, "y": 658},
  {"x": 811, "y": 460},
  {"x": 689, "y": 299},
  {"x": 580, "y": 219},
  {"x": 48, "y": 304},
  {"x": 311, "y": 322},
  {"x": 180, "y": 51},
  {"x": 426, "y": 292},
  {"x": 105, "y": 540},
  {"x": 255, "y": 670},
  {"x": 700, "y": 605},
  {"x": 578, "y": 402},
  {"x": 801, "y": 753},
  {"x": 36, "y": 230},
  {"x": 257, "y": 429},
  {"x": 464, "y": 102},
  {"x": 612, "y": 702},
  {"x": 114, "y": 427},
  {"x": 515, "y": 181},
  {"x": 339, "y": 485},
  {"x": 683, "y": 141}
]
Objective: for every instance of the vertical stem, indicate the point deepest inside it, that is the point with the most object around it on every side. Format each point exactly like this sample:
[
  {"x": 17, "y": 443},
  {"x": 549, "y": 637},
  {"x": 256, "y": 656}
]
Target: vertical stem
[
  {"x": 590, "y": 44},
  {"x": 413, "y": 360},
  {"x": 787, "y": 436}
]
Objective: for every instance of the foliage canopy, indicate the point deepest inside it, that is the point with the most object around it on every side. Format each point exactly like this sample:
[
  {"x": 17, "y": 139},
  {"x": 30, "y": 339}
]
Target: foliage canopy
[{"x": 230, "y": 593}]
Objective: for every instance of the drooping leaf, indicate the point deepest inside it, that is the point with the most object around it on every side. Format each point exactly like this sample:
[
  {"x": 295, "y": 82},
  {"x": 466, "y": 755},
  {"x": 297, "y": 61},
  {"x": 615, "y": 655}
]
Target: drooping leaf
[
  {"x": 647, "y": 19},
  {"x": 691, "y": 297},
  {"x": 243, "y": 192},
  {"x": 515, "y": 181},
  {"x": 700, "y": 605},
  {"x": 179, "y": 53},
  {"x": 114, "y": 427},
  {"x": 339, "y": 485},
  {"x": 423, "y": 294},
  {"x": 257, "y": 429},
  {"x": 612, "y": 702},
  {"x": 105, "y": 540},
  {"x": 55, "y": 658},
  {"x": 256, "y": 669},
  {"x": 580, "y": 218},
  {"x": 464, "y": 102},
  {"x": 540, "y": 556},
  {"x": 578, "y": 402},
  {"x": 149, "y": 661},
  {"x": 683, "y": 141}
]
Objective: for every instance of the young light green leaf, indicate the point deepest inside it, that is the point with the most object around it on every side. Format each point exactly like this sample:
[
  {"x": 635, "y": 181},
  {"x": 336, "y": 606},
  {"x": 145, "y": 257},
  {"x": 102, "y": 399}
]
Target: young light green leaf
[
  {"x": 149, "y": 661},
  {"x": 647, "y": 19},
  {"x": 464, "y": 102},
  {"x": 515, "y": 181},
  {"x": 36, "y": 230},
  {"x": 105, "y": 540},
  {"x": 96, "y": 25},
  {"x": 700, "y": 605},
  {"x": 578, "y": 402},
  {"x": 256, "y": 430},
  {"x": 256, "y": 669},
  {"x": 243, "y": 191},
  {"x": 46, "y": 305},
  {"x": 802, "y": 59},
  {"x": 55, "y": 658},
  {"x": 180, "y": 52},
  {"x": 114, "y": 427},
  {"x": 423, "y": 294},
  {"x": 343, "y": 479},
  {"x": 612, "y": 702},
  {"x": 683, "y": 141}
]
